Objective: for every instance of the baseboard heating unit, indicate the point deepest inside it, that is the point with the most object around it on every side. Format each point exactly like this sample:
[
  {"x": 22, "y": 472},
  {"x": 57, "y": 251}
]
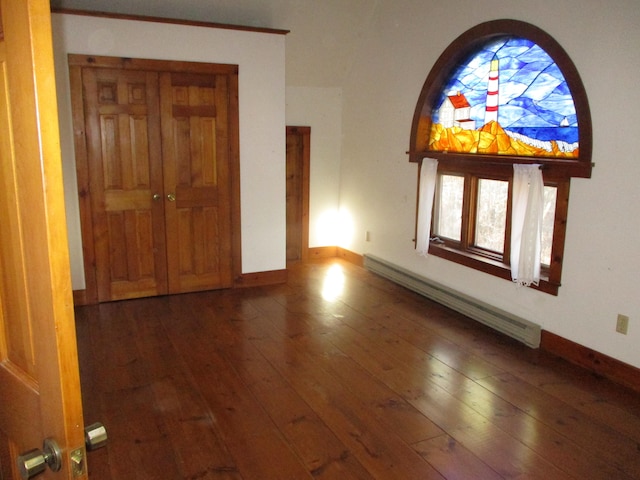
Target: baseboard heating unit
[{"x": 511, "y": 325}]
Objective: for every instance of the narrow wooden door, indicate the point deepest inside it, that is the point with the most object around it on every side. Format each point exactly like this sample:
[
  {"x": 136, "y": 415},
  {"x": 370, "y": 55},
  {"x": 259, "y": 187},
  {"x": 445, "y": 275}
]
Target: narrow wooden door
[
  {"x": 122, "y": 118},
  {"x": 39, "y": 380},
  {"x": 297, "y": 200},
  {"x": 196, "y": 167}
]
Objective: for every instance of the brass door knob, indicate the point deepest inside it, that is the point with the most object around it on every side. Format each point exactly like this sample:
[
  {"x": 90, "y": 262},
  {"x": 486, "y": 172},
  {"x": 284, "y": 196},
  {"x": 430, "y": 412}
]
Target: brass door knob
[{"x": 171, "y": 197}]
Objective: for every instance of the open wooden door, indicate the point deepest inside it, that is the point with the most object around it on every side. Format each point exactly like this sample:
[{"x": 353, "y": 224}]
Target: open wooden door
[{"x": 39, "y": 379}]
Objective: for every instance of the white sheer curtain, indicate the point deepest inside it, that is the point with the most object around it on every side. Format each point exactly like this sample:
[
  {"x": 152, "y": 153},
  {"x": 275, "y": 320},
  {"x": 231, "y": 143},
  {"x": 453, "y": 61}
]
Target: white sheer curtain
[
  {"x": 526, "y": 224},
  {"x": 428, "y": 175}
]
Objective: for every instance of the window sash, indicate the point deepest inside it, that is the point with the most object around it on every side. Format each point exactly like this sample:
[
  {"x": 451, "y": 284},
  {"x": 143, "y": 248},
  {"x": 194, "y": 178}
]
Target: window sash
[
  {"x": 490, "y": 215},
  {"x": 463, "y": 248},
  {"x": 449, "y": 207}
]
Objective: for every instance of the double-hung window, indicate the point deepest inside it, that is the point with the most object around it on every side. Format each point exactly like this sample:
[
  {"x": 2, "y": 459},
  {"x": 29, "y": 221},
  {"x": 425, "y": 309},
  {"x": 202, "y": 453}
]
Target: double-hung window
[{"x": 503, "y": 94}]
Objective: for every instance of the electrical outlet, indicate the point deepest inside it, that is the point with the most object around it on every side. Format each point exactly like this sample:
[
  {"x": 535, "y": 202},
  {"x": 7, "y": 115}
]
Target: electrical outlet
[
  {"x": 622, "y": 325},
  {"x": 367, "y": 236}
]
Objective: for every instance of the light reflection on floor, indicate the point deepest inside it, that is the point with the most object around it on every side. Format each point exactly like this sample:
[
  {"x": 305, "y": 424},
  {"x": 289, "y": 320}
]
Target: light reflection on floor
[{"x": 333, "y": 284}]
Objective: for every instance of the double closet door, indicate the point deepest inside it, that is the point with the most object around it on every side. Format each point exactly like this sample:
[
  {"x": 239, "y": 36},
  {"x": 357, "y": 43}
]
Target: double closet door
[{"x": 159, "y": 161}]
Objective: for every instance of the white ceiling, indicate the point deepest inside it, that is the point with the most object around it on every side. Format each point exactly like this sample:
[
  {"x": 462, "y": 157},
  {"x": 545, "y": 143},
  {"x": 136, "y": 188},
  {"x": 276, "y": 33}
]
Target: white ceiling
[{"x": 324, "y": 34}]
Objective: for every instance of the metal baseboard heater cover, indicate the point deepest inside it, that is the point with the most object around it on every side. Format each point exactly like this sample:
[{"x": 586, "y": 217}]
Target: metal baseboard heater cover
[{"x": 511, "y": 325}]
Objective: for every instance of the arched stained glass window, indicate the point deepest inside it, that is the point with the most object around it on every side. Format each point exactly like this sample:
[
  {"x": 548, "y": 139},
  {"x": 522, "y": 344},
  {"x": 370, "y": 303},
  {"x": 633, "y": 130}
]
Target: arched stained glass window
[
  {"x": 504, "y": 93},
  {"x": 508, "y": 98}
]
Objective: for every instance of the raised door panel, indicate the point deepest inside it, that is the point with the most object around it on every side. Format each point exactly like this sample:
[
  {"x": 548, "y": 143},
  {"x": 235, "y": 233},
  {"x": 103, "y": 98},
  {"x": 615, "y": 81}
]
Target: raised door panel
[
  {"x": 196, "y": 180},
  {"x": 125, "y": 176}
]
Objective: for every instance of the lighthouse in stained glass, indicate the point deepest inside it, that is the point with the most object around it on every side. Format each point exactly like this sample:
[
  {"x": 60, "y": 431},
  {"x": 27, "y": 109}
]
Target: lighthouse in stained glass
[
  {"x": 491, "y": 104},
  {"x": 515, "y": 101}
]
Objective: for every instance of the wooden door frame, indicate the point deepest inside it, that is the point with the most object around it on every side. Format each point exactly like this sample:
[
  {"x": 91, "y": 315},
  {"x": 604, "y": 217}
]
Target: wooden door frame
[
  {"x": 76, "y": 63},
  {"x": 305, "y": 133}
]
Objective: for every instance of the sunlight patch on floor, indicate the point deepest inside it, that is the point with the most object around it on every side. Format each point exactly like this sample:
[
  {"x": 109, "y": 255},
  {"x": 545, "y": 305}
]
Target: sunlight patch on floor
[{"x": 333, "y": 284}]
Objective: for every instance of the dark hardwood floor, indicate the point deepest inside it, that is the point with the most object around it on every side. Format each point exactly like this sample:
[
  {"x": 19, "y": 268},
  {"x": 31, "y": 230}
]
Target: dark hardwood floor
[{"x": 338, "y": 374}]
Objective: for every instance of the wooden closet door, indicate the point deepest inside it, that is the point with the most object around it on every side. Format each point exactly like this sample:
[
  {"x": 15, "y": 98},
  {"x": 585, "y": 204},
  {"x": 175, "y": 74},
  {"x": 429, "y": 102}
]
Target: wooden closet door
[
  {"x": 158, "y": 175},
  {"x": 125, "y": 175},
  {"x": 195, "y": 149}
]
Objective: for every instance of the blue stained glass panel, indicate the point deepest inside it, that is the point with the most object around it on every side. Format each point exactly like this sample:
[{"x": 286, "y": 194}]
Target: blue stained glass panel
[{"x": 509, "y": 97}]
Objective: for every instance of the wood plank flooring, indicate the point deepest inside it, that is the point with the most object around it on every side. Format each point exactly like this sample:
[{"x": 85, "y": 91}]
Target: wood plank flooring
[{"x": 338, "y": 374}]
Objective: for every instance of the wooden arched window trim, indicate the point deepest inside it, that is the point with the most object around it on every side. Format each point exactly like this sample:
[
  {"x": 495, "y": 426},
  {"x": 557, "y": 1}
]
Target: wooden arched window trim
[{"x": 556, "y": 171}]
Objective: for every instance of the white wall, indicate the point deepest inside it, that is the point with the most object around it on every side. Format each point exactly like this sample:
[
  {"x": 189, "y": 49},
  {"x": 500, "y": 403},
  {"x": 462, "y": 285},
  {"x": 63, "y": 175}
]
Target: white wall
[
  {"x": 378, "y": 184},
  {"x": 260, "y": 57},
  {"x": 320, "y": 109}
]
